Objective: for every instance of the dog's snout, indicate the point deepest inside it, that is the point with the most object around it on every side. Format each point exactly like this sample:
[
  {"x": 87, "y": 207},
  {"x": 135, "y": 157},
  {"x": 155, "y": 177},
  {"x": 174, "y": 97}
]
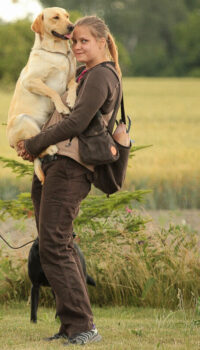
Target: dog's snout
[{"x": 70, "y": 27}]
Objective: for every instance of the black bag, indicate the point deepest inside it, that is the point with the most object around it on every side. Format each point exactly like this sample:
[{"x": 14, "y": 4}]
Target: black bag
[
  {"x": 96, "y": 144},
  {"x": 109, "y": 178}
]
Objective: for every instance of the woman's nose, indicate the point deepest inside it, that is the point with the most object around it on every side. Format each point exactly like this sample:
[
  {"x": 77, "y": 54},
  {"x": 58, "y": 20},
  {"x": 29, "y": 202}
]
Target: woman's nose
[{"x": 77, "y": 45}]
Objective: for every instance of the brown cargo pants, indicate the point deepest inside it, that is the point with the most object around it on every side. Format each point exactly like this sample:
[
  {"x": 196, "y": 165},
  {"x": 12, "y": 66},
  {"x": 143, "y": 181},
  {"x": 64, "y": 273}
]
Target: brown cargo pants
[{"x": 56, "y": 205}]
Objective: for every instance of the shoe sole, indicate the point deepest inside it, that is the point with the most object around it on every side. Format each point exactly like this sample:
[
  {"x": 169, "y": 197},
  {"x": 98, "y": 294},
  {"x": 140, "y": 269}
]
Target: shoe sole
[{"x": 95, "y": 339}]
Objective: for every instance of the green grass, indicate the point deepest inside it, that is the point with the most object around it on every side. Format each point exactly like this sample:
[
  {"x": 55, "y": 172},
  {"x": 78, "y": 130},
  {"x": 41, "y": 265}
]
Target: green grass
[
  {"x": 165, "y": 113},
  {"x": 121, "y": 328}
]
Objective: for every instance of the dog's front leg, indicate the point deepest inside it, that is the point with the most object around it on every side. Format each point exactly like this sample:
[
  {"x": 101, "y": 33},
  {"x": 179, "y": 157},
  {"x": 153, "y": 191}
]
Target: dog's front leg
[
  {"x": 71, "y": 93},
  {"x": 38, "y": 87}
]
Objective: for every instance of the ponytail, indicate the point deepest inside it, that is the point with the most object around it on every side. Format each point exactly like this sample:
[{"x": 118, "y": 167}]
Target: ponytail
[{"x": 114, "y": 52}]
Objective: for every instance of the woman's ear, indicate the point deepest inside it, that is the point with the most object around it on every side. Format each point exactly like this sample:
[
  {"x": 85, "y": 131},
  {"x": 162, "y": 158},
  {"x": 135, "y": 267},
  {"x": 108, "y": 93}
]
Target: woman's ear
[{"x": 102, "y": 43}]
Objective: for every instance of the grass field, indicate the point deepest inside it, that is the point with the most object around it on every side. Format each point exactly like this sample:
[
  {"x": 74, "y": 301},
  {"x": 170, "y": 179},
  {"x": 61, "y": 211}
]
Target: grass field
[
  {"x": 166, "y": 114},
  {"x": 121, "y": 328}
]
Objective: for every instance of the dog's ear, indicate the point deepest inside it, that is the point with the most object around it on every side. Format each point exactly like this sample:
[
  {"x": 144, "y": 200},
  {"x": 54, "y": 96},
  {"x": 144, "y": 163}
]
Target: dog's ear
[{"x": 37, "y": 25}]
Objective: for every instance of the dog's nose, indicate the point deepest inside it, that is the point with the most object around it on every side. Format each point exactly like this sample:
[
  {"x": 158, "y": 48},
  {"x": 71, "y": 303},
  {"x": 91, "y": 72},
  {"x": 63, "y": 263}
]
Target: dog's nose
[{"x": 70, "y": 27}]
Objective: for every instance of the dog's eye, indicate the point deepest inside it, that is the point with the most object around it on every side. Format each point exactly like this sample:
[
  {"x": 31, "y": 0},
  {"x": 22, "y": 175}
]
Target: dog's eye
[{"x": 56, "y": 17}]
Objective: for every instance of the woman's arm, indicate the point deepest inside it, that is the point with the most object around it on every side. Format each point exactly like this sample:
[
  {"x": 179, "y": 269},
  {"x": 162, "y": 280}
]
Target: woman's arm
[{"x": 91, "y": 97}]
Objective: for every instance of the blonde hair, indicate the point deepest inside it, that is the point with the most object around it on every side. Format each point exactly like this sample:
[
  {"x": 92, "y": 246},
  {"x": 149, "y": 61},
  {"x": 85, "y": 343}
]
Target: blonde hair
[{"x": 99, "y": 30}]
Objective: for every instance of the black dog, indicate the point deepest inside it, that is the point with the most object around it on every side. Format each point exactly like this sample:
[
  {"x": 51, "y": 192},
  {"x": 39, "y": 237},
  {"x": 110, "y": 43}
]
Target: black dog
[{"x": 38, "y": 278}]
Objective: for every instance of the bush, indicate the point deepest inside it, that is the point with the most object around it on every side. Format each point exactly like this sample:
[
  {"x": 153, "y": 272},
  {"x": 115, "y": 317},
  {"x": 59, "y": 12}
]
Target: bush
[
  {"x": 131, "y": 266},
  {"x": 16, "y": 40}
]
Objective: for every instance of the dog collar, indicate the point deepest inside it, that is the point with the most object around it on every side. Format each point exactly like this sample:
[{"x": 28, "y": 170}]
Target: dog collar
[{"x": 57, "y": 52}]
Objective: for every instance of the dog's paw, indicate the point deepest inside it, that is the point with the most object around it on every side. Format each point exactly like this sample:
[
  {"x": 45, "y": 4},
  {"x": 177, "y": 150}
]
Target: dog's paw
[
  {"x": 71, "y": 98},
  {"x": 70, "y": 102},
  {"x": 51, "y": 150},
  {"x": 61, "y": 108}
]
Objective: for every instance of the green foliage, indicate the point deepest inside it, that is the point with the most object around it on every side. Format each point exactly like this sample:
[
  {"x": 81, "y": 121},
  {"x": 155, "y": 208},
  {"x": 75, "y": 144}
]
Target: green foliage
[
  {"x": 92, "y": 207},
  {"x": 147, "y": 33},
  {"x": 21, "y": 207},
  {"x": 124, "y": 58},
  {"x": 20, "y": 169},
  {"x": 16, "y": 40},
  {"x": 14, "y": 282},
  {"x": 74, "y": 15},
  {"x": 187, "y": 37},
  {"x": 102, "y": 207}
]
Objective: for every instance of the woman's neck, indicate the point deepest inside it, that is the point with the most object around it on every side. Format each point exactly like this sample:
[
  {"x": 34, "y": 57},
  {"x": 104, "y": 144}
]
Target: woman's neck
[{"x": 92, "y": 64}]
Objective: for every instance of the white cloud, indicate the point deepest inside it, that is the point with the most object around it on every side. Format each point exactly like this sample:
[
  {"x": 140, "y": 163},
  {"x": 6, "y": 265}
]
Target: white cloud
[{"x": 13, "y": 10}]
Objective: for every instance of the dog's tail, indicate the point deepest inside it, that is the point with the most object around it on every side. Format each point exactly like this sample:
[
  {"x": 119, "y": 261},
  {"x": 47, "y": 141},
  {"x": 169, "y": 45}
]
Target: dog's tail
[
  {"x": 38, "y": 170},
  {"x": 90, "y": 281}
]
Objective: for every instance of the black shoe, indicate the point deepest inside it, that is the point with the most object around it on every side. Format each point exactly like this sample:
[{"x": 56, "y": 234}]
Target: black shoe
[
  {"x": 56, "y": 337},
  {"x": 85, "y": 338}
]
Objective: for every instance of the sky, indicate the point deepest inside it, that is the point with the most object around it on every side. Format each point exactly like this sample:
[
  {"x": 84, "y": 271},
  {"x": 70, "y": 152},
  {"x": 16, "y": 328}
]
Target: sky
[{"x": 14, "y": 10}]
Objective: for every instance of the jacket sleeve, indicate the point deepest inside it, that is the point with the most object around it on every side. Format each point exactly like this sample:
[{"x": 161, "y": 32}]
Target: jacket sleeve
[{"x": 92, "y": 95}]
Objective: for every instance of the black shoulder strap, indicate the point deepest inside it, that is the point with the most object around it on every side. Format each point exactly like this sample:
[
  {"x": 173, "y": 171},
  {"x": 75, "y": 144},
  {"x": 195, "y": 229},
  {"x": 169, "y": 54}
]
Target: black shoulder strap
[{"x": 123, "y": 114}]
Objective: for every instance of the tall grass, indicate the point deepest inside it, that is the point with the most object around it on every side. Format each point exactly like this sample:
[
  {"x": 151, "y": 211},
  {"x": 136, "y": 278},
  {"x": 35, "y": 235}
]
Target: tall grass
[
  {"x": 165, "y": 113},
  {"x": 135, "y": 267},
  {"x": 131, "y": 265}
]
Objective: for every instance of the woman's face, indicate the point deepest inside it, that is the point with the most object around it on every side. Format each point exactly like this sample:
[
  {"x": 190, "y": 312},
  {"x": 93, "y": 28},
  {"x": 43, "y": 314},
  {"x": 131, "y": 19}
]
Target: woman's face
[{"x": 86, "y": 48}]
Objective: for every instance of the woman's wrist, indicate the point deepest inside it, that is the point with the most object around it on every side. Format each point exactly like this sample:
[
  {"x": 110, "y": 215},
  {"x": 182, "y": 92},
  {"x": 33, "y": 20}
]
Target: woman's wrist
[{"x": 31, "y": 146}]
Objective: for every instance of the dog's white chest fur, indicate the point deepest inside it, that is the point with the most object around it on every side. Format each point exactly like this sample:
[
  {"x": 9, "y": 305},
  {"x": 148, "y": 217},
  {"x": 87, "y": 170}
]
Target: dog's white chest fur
[
  {"x": 58, "y": 69},
  {"x": 58, "y": 74}
]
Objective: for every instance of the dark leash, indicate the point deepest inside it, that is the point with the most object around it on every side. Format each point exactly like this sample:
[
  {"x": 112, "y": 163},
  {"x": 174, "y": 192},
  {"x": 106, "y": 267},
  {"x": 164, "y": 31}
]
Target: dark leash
[
  {"x": 21, "y": 246},
  {"x": 16, "y": 247}
]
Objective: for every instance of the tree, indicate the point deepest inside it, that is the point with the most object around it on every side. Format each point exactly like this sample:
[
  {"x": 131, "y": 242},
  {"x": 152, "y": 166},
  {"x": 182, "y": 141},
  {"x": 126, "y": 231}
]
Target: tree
[
  {"x": 16, "y": 40},
  {"x": 143, "y": 27},
  {"x": 186, "y": 39},
  {"x": 152, "y": 35},
  {"x": 154, "y": 27},
  {"x": 192, "y": 4}
]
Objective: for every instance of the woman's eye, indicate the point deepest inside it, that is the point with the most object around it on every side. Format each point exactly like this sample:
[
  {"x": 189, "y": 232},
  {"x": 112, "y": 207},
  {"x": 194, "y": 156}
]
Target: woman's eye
[{"x": 84, "y": 41}]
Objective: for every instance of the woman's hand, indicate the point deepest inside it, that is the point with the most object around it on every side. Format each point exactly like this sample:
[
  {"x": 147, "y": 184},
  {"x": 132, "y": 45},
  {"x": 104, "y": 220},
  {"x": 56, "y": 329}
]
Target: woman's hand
[{"x": 21, "y": 151}]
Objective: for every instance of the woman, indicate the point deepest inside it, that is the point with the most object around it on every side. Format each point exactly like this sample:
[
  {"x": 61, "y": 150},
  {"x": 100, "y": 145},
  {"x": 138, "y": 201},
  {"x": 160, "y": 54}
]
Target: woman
[{"x": 68, "y": 180}]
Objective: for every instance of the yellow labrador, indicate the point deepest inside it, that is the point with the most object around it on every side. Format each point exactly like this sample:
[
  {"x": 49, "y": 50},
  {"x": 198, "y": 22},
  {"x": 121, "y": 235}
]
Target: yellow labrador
[{"x": 49, "y": 71}]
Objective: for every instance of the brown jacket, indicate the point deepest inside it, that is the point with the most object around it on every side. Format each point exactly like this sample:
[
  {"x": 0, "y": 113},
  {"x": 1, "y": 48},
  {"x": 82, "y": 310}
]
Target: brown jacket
[{"x": 98, "y": 90}]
